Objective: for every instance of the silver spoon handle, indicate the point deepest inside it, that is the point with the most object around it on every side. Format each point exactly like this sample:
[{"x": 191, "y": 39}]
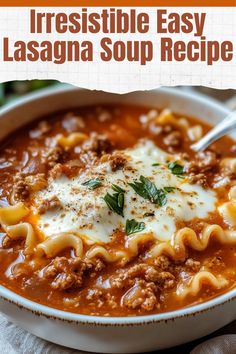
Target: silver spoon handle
[{"x": 226, "y": 126}]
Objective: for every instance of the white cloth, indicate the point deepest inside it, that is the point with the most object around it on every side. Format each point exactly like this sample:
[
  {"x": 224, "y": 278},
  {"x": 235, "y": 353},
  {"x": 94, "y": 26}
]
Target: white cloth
[
  {"x": 225, "y": 344},
  {"x": 15, "y": 340}
]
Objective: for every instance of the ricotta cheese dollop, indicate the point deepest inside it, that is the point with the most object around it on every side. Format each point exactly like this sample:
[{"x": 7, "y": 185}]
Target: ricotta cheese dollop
[{"x": 84, "y": 211}]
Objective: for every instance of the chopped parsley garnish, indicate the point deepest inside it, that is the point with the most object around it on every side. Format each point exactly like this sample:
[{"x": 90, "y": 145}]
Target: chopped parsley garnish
[
  {"x": 132, "y": 226},
  {"x": 93, "y": 183},
  {"x": 169, "y": 189},
  {"x": 115, "y": 201},
  {"x": 176, "y": 169},
  {"x": 155, "y": 164},
  {"x": 117, "y": 189},
  {"x": 147, "y": 189}
]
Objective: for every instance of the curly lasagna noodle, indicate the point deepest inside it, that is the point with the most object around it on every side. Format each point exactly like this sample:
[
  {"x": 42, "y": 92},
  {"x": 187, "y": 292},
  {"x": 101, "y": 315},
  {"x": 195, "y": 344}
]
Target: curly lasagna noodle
[{"x": 106, "y": 211}]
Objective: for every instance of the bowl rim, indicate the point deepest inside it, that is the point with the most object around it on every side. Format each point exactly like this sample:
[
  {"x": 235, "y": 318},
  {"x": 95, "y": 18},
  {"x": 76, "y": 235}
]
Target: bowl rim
[
  {"x": 63, "y": 87},
  {"x": 53, "y": 313}
]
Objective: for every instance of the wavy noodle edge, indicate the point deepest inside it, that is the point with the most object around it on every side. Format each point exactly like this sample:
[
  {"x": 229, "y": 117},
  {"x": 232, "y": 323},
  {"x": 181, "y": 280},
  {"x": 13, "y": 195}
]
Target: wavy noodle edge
[
  {"x": 186, "y": 237},
  {"x": 198, "y": 280},
  {"x": 12, "y": 214},
  {"x": 57, "y": 243}
]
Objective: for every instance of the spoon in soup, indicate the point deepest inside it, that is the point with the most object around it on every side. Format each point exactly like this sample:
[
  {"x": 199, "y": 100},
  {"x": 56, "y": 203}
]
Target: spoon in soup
[{"x": 226, "y": 126}]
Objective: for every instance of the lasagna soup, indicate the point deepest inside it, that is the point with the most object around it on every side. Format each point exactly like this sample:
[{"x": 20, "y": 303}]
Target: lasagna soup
[{"x": 106, "y": 210}]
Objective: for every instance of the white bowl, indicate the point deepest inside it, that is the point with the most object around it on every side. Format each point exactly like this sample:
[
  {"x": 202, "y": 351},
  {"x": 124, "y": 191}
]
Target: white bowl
[{"x": 114, "y": 334}]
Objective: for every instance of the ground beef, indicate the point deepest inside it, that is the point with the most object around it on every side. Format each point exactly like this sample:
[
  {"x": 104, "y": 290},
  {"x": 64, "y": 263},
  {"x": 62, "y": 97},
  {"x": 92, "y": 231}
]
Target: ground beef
[
  {"x": 56, "y": 155},
  {"x": 66, "y": 273},
  {"x": 148, "y": 272},
  {"x": 49, "y": 204},
  {"x": 199, "y": 178},
  {"x": 117, "y": 161},
  {"x": 70, "y": 169},
  {"x": 95, "y": 265},
  {"x": 36, "y": 182},
  {"x": 165, "y": 280},
  {"x": 173, "y": 139},
  {"x": 56, "y": 171},
  {"x": 127, "y": 277},
  {"x": 25, "y": 184},
  {"x": 111, "y": 301},
  {"x": 99, "y": 144},
  {"x": 99, "y": 298},
  {"x": 205, "y": 161},
  {"x": 223, "y": 178},
  {"x": 142, "y": 295},
  {"x": 43, "y": 128},
  {"x": 88, "y": 158},
  {"x": 192, "y": 265},
  {"x": 104, "y": 116},
  {"x": 117, "y": 281},
  {"x": 21, "y": 189},
  {"x": 94, "y": 295},
  {"x": 167, "y": 128},
  {"x": 69, "y": 273},
  {"x": 163, "y": 263},
  {"x": 72, "y": 123},
  {"x": 155, "y": 128}
]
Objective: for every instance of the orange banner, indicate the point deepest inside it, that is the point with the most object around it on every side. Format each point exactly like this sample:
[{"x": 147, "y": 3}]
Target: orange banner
[{"x": 118, "y": 3}]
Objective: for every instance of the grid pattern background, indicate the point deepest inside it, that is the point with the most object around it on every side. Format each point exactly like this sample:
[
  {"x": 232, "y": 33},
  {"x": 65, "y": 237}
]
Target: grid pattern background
[{"x": 121, "y": 77}]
